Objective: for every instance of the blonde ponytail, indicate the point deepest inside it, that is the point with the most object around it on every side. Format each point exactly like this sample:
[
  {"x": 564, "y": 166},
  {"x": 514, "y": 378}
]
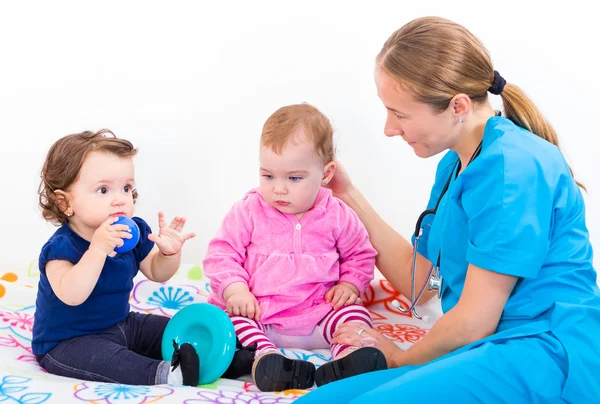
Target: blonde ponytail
[
  {"x": 522, "y": 111},
  {"x": 436, "y": 59}
]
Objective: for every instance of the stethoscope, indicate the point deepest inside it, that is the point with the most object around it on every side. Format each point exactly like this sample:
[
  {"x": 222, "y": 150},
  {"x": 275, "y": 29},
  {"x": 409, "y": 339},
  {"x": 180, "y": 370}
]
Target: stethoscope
[{"x": 434, "y": 278}]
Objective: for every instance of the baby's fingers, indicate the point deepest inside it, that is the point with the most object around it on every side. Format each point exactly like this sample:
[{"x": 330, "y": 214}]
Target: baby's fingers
[
  {"x": 352, "y": 299},
  {"x": 329, "y": 295},
  {"x": 235, "y": 310},
  {"x": 339, "y": 295},
  {"x": 249, "y": 309},
  {"x": 257, "y": 311},
  {"x": 180, "y": 223},
  {"x": 187, "y": 236}
]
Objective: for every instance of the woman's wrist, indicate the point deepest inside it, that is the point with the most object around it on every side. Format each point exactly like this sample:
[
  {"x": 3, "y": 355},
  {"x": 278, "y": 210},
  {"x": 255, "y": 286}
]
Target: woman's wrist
[
  {"x": 397, "y": 359},
  {"x": 359, "y": 204},
  {"x": 351, "y": 196}
]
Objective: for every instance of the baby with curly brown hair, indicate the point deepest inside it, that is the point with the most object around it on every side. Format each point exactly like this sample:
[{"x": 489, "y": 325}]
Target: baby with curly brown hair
[{"x": 83, "y": 325}]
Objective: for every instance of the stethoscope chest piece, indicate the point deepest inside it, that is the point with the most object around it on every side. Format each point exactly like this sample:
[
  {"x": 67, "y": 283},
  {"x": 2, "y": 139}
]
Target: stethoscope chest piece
[
  {"x": 435, "y": 283},
  {"x": 434, "y": 278}
]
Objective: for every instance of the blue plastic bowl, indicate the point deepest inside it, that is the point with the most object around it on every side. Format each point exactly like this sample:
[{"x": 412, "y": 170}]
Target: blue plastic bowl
[{"x": 210, "y": 331}]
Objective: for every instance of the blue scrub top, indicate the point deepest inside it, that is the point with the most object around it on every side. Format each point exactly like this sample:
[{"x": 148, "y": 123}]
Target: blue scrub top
[{"x": 517, "y": 210}]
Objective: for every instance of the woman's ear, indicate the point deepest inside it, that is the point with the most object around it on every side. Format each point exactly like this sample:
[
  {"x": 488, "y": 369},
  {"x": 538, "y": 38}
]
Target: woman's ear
[
  {"x": 460, "y": 106},
  {"x": 62, "y": 199},
  {"x": 328, "y": 172}
]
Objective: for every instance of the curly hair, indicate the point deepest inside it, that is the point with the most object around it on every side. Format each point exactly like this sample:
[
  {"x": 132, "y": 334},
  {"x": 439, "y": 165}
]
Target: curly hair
[{"x": 63, "y": 164}]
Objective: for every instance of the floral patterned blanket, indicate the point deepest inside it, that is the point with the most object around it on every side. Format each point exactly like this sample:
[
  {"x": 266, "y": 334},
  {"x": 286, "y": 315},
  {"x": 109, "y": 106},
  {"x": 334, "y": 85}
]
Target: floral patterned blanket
[{"x": 23, "y": 381}]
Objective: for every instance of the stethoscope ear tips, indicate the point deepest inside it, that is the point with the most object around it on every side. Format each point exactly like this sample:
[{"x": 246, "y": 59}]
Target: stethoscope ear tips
[{"x": 396, "y": 304}]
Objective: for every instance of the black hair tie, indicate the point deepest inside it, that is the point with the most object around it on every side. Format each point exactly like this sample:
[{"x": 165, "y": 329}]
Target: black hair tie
[{"x": 498, "y": 84}]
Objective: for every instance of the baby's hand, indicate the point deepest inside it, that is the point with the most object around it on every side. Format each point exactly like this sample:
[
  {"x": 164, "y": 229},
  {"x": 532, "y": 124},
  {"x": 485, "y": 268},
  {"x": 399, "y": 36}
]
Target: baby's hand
[
  {"x": 342, "y": 294},
  {"x": 107, "y": 237},
  {"x": 170, "y": 239},
  {"x": 243, "y": 303}
]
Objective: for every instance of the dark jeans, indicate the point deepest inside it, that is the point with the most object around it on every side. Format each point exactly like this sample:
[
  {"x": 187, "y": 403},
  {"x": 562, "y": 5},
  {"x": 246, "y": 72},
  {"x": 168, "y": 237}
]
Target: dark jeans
[{"x": 128, "y": 353}]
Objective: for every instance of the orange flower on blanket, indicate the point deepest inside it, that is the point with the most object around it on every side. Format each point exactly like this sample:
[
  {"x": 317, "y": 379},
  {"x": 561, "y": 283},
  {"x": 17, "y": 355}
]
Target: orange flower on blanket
[
  {"x": 7, "y": 277},
  {"x": 402, "y": 332}
]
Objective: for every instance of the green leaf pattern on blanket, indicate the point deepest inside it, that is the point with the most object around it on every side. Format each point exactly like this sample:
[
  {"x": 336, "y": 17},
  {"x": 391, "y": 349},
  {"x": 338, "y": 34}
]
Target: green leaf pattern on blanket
[{"x": 33, "y": 270}]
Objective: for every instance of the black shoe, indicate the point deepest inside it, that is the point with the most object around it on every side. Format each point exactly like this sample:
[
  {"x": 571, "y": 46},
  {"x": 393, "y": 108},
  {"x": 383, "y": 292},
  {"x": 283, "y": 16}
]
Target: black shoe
[
  {"x": 242, "y": 361},
  {"x": 363, "y": 360},
  {"x": 275, "y": 372},
  {"x": 186, "y": 357}
]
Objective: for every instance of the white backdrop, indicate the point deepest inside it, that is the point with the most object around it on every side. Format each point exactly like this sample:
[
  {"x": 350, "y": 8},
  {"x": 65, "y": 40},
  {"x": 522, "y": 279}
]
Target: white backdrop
[{"x": 191, "y": 83}]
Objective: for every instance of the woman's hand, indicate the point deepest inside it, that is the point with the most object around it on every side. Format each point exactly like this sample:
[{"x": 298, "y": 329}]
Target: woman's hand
[
  {"x": 340, "y": 183},
  {"x": 359, "y": 335}
]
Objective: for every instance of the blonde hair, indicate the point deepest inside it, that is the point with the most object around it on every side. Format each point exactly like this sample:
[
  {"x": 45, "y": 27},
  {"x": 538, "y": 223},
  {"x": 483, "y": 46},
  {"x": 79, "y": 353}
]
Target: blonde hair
[
  {"x": 63, "y": 164},
  {"x": 283, "y": 124},
  {"x": 436, "y": 59}
]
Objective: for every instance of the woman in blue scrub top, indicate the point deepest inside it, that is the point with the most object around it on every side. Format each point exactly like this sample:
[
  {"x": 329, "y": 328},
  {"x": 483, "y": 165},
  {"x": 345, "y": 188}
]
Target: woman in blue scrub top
[{"x": 521, "y": 306}]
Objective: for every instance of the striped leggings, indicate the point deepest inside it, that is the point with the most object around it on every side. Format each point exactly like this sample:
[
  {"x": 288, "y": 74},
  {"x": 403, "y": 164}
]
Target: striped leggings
[{"x": 266, "y": 338}]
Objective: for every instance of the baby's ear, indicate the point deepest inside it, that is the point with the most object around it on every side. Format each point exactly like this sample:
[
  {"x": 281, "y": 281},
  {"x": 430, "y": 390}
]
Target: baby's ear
[
  {"x": 328, "y": 172},
  {"x": 61, "y": 199}
]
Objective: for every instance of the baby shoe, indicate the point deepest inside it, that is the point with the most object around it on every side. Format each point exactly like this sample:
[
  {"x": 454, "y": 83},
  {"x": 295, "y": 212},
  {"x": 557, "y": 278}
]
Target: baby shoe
[
  {"x": 242, "y": 361},
  {"x": 363, "y": 360},
  {"x": 186, "y": 357},
  {"x": 274, "y": 372}
]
